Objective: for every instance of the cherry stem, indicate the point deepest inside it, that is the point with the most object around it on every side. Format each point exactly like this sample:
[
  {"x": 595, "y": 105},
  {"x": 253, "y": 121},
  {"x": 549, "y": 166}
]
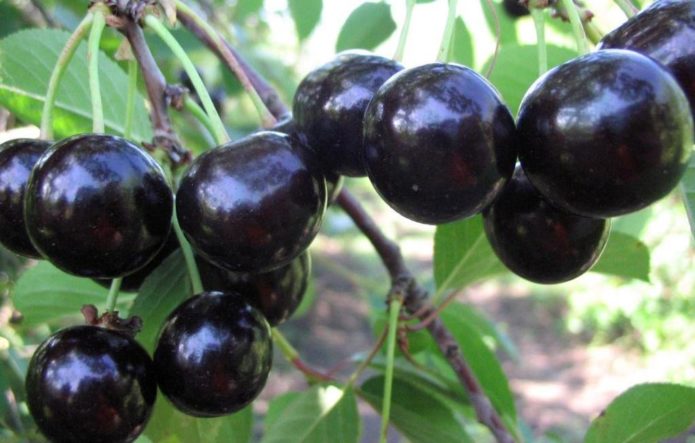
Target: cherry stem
[
  {"x": 577, "y": 26},
  {"x": 628, "y": 8},
  {"x": 538, "y": 15},
  {"x": 394, "y": 311},
  {"x": 130, "y": 103},
  {"x": 292, "y": 356},
  {"x": 498, "y": 37},
  {"x": 112, "y": 298},
  {"x": 367, "y": 361},
  {"x": 199, "y": 114},
  {"x": 189, "y": 257},
  {"x": 158, "y": 27},
  {"x": 443, "y": 54},
  {"x": 93, "y": 66},
  {"x": 403, "y": 37},
  {"x": 57, "y": 74},
  {"x": 214, "y": 39}
]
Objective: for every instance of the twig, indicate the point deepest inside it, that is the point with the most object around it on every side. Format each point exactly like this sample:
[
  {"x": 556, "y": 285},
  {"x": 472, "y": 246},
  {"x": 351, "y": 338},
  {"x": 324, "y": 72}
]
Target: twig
[
  {"x": 164, "y": 135},
  {"x": 416, "y": 302}
]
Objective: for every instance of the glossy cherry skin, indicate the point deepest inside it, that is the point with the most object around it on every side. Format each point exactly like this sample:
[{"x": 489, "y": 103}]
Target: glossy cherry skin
[
  {"x": 276, "y": 293},
  {"x": 605, "y": 134},
  {"x": 90, "y": 384},
  {"x": 537, "y": 241},
  {"x": 330, "y": 102},
  {"x": 17, "y": 158},
  {"x": 665, "y": 31},
  {"x": 132, "y": 282},
  {"x": 252, "y": 205},
  {"x": 439, "y": 143},
  {"x": 98, "y": 206},
  {"x": 213, "y": 355}
]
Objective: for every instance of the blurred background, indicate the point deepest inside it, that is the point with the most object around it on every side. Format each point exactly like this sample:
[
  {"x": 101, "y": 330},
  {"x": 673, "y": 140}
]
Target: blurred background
[{"x": 574, "y": 346}]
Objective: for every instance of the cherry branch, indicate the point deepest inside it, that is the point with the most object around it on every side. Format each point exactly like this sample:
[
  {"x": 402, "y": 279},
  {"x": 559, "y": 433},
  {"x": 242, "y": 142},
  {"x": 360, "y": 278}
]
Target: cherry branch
[{"x": 157, "y": 91}]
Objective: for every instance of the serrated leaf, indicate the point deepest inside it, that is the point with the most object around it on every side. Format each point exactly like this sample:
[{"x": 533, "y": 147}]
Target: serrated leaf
[
  {"x": 306, "y": 15},
  {"x": 320, "y": 414},
  {"x": 159, "y": 294},
  {"x": 462, "y": 254},
  {"x": 369, "y": 25},
  {"x": 44, "y": 294},
  {"x": 625, "y": 256},
  {"x": 462, "y": 44},
  {"x": 418, "y": 414},
  {"x": 487, "y": 329},
  {"x": 644, "y": 414},
  {"x": 168, "y": 425},
  {"x": 688, "y": 188},
  {"x": 516, "y": 69},
  {"x": 27, "y": 59}
]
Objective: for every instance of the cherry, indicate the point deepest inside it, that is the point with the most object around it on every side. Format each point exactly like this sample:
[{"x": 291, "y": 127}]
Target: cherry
[
  {"x": 213, "y": 355},
  {"x": 87, "y": 383},
  {"x": 252, "y": 205},
  {"x": 665, "y": 31},
  {"x": 330, "y": 102},
  {"x": 439, "y": 143},
  {"x": 277, "y": 293},
  {"x": 17, "y": 158},
  {"x": 605, "y": 134},
  {"x": 537, "y": 241},
  {"x": 98, "y": 206}
]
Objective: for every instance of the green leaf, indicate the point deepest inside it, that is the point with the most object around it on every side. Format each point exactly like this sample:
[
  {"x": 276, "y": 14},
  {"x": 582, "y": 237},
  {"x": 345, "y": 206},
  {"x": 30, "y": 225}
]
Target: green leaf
[
  {"x": 44, "y": 294},
  {"x": 320, "y": 414},
  {"x": 424, "y": 1},
  {"x": 508, "y": 33},
  {"x": 462, "y": 254},
  {"x": 418, "y": 414},
  {"x": 471, "y": 316},
  {"x": 625, "y": 256},
  {"x": 644, "y": 414},
  {"x": 168, "y": 425},
  {"x": 244, "y": 8},
  {"x": 462, "y": 44},
  {"x": 483, "y": 362},
  {"x": 688, "y": 187},
  {"x": 277, "y": 407},
  {"x": 306, "y": 15},
  {"x": 12, "y": 19},
  {"x": 24, "y": 80},
  {"x": 516, "y": 69},
  {"x": 369, "y": 25},
  {"x": 162, "y": 291}
]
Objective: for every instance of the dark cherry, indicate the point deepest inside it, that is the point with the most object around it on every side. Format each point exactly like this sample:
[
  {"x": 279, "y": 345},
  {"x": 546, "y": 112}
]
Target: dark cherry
[
  {"x": 277, "y": 293},
  {"x": 537, "y": 241},
  {"x": 98, "y": 206},
  {"x": 17, "y": 158},
  {"x": 665, "y": 31},
  {"x": 252, "y": 205},
  {"x": 329, "y": 105},
  {"x": 439, "y": 143},
  {"x": 90, "y": 384},
  {"x": 515, "y": 9},
  {"x": 605, "y": 134},
  {"x": 213, "y": 355},
  {"x": 132, "y": 282}
]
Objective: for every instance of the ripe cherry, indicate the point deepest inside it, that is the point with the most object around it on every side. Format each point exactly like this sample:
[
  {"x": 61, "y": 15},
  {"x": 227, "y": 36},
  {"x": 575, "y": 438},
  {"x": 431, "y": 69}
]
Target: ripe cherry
[
  {"x": 665, "y": 31},
  {"x": 276, "y": 293},
  {"x": 329, "y": 105},
  {"x": 17, "y": 158},
  {"x": 605, "y": 134},
  {"x": 213, "y": 355},
  {"x": 439, "y": 143},
  {"x": 98, "y": 206},
  {"x": 537, "y": 241},
  {"x": 252, "y": 205},
  {"x": 90, "y": 384}
]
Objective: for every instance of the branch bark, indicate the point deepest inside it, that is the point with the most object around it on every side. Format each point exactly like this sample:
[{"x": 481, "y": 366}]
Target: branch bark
[{"x": 157, "y": 92}]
